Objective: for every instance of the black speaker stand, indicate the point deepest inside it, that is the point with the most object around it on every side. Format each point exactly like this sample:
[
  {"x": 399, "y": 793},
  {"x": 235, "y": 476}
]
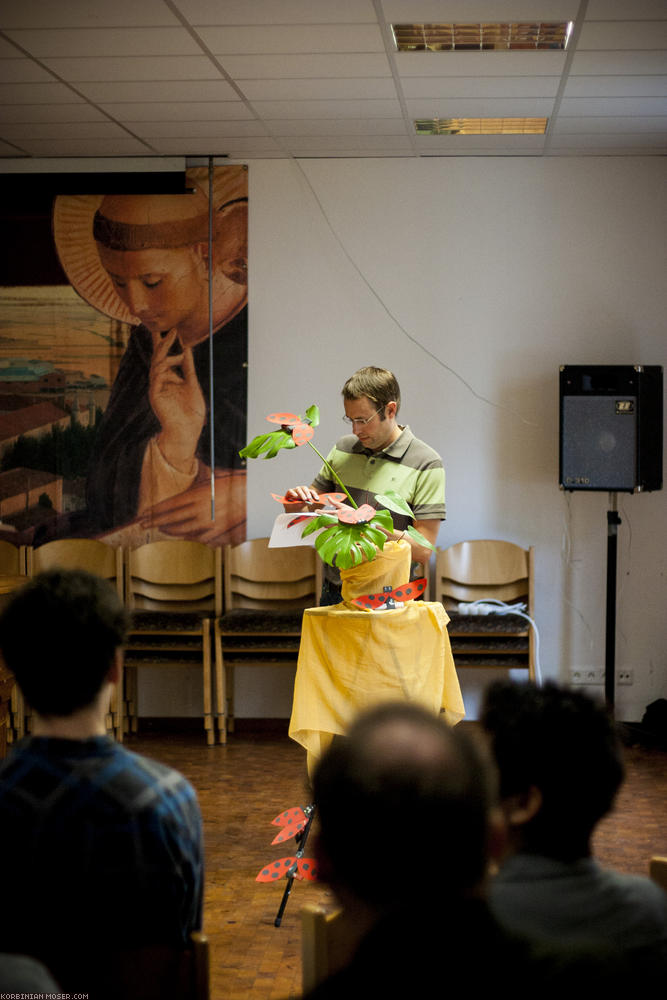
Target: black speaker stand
[{"x": 613, "y": 521}]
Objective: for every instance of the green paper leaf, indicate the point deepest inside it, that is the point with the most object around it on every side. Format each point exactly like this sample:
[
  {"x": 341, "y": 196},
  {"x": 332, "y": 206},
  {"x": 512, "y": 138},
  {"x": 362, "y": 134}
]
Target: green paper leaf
[
  {"x": 383, "y": 519},
  {"x": 271, "y": 443},
  {"x": 419, "y": 538},
  {"x": 394, "y": 501},
  {"x": 313, "y": 414},
  {"x": 321, "y": 521},
  {"x": 374, "y": 535}
]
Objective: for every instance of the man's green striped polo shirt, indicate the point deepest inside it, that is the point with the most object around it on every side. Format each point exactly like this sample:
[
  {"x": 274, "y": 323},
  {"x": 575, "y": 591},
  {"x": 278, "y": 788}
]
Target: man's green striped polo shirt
[{"x": 408, "y": 466}]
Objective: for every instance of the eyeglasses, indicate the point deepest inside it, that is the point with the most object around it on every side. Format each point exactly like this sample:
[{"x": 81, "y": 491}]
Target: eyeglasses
[{"x": 362, "y": 421}]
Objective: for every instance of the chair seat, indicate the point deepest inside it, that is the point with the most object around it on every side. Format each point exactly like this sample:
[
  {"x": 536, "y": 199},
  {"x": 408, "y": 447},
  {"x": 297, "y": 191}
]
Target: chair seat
[
  {"x": 168, "y": 621},
  {"x": 486, "y": 624},
  {"x": 245, "y": 621}
]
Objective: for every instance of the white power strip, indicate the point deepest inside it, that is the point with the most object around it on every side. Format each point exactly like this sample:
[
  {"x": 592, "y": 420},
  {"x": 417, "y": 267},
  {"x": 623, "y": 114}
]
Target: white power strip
[{"x": 488, "y": 608}]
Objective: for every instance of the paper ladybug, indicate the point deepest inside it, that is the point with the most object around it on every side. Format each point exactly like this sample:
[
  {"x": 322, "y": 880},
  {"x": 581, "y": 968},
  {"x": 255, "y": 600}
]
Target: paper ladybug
[
  {"x": 406, "y": 592},
  {"x": 300, "y": 429}
]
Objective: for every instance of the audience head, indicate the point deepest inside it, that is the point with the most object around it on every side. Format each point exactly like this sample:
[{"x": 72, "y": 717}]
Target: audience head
[
  {"x": 59, "y": 635},
  {"x": 404, "y": 805},
  {"x": 559, "y": 761}
]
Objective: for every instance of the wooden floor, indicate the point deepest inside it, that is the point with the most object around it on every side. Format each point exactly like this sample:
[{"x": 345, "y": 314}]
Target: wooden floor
[{"x": 244, "y": 785}]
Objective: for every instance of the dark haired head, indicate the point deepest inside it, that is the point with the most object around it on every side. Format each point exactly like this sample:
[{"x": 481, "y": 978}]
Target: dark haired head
[
  {"x": 397, "y": 799},
  {"x": 377, "y": 384},
  {"x": 563, "y": 744},
  {"x": 59, "y": 635}
]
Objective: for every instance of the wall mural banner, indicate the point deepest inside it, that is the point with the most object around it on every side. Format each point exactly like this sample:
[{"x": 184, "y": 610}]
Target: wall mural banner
[{"x": 123, "y": 396}]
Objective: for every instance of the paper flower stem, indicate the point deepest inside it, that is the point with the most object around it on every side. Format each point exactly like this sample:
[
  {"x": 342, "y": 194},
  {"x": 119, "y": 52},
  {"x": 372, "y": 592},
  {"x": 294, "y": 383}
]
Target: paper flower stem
[{"x": 334, "y": 474}]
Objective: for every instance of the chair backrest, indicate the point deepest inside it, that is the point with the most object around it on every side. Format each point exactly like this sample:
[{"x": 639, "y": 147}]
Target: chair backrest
[
  {"x": 482, "y": 569},
  {"x": 155, "y": 972},
  {"x": 78, "y": 553},
  {"x": 658, "y": 871},
  {"x": 257, "y": 576},
  {"x": 12, "y": 558},
  {"x": 174, "y": 575},
  {"x": 328, "y": 941}
]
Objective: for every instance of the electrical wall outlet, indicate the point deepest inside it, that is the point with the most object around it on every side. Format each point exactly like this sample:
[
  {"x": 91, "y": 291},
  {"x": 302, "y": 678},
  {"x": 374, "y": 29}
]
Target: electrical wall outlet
[
  {"x": 587, "y": 675},
  {"x": 625, "y": 677}
]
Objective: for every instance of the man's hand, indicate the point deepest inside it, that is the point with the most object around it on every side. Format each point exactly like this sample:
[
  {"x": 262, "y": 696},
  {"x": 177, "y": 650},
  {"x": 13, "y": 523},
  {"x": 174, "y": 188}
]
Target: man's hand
[{"x": 301, "y": 495}]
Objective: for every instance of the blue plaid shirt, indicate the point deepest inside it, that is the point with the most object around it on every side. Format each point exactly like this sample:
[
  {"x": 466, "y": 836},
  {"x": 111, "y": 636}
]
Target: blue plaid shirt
[{"x": 100, "y": 846}]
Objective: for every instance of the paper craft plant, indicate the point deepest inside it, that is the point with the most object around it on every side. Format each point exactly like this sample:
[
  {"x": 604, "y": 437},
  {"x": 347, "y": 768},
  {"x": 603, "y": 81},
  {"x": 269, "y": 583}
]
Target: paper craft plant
[{"x": 348, "y": 533}]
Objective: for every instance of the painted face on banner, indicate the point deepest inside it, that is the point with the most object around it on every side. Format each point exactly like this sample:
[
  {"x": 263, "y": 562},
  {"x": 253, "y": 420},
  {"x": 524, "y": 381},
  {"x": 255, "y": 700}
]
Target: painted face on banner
[{"x": 162, "y": 288}]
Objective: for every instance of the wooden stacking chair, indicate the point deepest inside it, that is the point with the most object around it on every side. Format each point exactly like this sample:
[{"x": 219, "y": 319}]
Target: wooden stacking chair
[
  {"x": 93, "y": 556},
  {"x": 658, "y": 871},
  {"x": 487, "y": 570},
  {"x": 12, "y": 573},
  {"x": 266, "y": 591},
  {"x": 174, "y": 591},
  {"x": 154, "y": 972},
  {"x": 328, "y": 941}
]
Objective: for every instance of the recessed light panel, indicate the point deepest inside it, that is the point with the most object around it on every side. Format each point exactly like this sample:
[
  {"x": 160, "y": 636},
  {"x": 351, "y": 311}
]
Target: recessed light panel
[
  {"x": 529, "y": 35},
  {"x": 480, "y": 126}
]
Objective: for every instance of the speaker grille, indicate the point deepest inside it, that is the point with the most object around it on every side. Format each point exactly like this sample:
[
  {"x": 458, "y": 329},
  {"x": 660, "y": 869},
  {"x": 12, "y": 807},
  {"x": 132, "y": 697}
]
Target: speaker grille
[{"x": 599, "y": 442}]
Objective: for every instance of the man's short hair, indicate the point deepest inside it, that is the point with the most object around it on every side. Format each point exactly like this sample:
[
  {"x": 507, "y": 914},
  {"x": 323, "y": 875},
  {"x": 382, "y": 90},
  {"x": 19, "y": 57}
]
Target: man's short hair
[
  {"x": 563, "y": 743},
  {"x": 58, "y": 636},
  {"x": 403, "y": 803},
  {"x": 377, "y": 384}
]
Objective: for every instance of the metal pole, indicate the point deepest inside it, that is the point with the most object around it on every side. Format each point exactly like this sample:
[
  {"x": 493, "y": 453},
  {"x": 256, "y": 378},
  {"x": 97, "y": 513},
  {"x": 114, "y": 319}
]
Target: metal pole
[{"x": 613, "y": 521}]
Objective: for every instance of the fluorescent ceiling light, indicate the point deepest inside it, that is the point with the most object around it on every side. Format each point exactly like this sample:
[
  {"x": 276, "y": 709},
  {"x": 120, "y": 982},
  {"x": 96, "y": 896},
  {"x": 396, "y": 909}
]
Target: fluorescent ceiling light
[
  {"x": 481, "y": 126},
  {"x": 529, "y": 35}
]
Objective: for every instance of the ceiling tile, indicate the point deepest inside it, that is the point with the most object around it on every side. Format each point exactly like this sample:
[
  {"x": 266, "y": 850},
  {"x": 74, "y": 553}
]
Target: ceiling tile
[
  {"x": 306, "y": 66},
  {"x": 8, "y": 150},
  {"x": 221, "y": 146},
  {"x": 608, "y": 123},
  {"x": 474, "y": 11},
  {"x": 480, "y": 63},
  {"x": 482, "y": 108},
  {"x": 618, "y": 63},
  {"x": 164, "y": 90},
  {"x": 614, "y": 106},
  {"x": 627, "y": 35},
  {"x": 270, "y": 110},
  {"x": 616, "y": 86},
  {"x": 107, "y": 42},
  {"x": 19, "y": 131},
  {"x": 184, "y": 111},
  {"x": 294, "y": 90},
  {"x": 197, "y": 129},
  {"x": 37, "y": 93},
  {"x": 22, "y": 71},
  {"x": 134, "y": 68},
  {"x": 37, "y": 113},
  {"x": 119, "y": 146},
  {"x": 616, "y": 10},
  {"x": 350, "y": 143},
  {"x": 284, "y": 12},
  {"x": 488, "y": 86},
  {"x": 274, "y": 39},
  {"x": 86, "y": 14},
  {"x": 341, "y": 126},
  {"x": 636, "y": 143}
]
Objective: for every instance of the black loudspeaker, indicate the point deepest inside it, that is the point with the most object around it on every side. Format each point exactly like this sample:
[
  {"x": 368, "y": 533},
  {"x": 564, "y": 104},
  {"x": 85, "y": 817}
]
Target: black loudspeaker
[{"x": 611, "y": 427}]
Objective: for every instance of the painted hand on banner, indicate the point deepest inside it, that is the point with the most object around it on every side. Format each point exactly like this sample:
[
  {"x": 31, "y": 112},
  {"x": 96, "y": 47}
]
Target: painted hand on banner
[
  {"x": 177, "y": 401},
  {"x": 188, "y": 515}
]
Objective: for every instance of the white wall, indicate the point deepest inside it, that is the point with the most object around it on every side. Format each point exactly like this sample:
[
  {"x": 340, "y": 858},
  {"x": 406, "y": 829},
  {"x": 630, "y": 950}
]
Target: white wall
[{"x": 503, "y": 269}]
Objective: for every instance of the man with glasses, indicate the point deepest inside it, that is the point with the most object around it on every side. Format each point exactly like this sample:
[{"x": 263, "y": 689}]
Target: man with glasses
[{"x": 380, "y": 455}]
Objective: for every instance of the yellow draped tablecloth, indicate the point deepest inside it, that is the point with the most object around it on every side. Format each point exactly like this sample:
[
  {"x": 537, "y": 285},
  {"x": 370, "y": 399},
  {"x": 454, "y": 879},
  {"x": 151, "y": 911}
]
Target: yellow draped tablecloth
[{"x": 351, "y": 659}]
